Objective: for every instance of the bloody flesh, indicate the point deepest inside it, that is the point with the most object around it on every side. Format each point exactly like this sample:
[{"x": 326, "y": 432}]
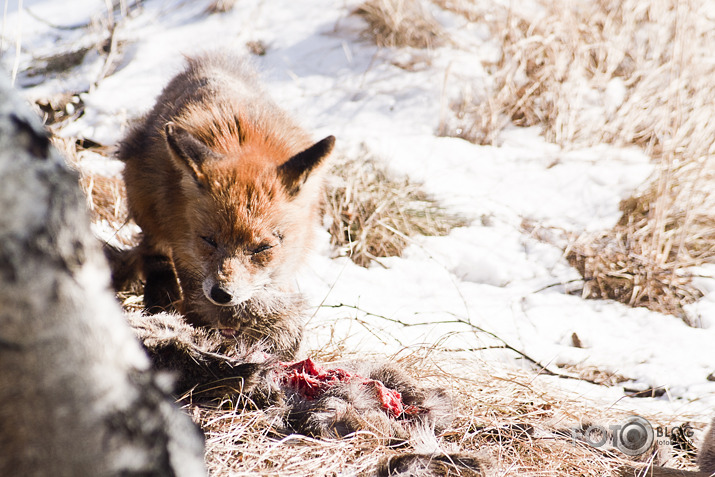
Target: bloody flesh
[{"x": 311, "y": 381}]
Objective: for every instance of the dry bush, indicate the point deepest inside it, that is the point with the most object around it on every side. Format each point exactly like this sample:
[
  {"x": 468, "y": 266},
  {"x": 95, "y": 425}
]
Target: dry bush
[
  {"x": 625, "y": 73},
  {"x": 373, "y": 214},
  {"x": 400, "y": 23}
]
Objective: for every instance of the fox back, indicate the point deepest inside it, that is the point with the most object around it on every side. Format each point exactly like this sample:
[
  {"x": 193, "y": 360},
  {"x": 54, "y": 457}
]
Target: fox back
[{"x": 226, "y": 189}]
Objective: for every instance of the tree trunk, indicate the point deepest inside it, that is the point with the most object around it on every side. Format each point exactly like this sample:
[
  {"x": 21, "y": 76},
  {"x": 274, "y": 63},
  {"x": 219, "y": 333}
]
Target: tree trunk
[{"x": 76, "y": 394}]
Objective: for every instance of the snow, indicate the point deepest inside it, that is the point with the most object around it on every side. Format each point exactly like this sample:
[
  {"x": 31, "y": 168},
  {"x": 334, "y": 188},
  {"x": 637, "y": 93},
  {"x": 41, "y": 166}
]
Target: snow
[{"x": 490, "y": 276}]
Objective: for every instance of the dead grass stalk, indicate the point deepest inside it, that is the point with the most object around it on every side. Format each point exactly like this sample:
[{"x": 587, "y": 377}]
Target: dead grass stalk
[{"x": 401, "y": 23}]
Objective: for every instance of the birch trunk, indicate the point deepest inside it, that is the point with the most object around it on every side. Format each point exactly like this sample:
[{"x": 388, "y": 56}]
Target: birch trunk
[{"x": 76, "y": 394}]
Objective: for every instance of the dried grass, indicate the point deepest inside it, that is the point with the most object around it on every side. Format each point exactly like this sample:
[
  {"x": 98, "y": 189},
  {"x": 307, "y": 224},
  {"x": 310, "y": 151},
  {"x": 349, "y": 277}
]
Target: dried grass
[
  {"x": 105, "y": 195},
  {"x": 401, "y": 23},
  {"x": 220, "y": 6},
  {"x": 623, "y": 73},
  {"x": 591, "y": 72},
  {"x": 516, "y": 424},
  {"x": 644, "y": 260},
  {"x": 373, "y": 214},
  {"x": 106, "y": 198}
]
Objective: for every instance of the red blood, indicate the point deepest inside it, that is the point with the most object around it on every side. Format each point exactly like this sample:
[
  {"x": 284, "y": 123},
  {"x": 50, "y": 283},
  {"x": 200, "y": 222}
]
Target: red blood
[
  {"x": 311, "y": 381},
  {"x": 390, "y": 400}
]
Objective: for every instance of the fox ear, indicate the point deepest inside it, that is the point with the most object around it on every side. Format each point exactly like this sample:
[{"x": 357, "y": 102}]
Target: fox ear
[
  {"x": 188, "y": 152},
  {"x": 294, "y": 172}
]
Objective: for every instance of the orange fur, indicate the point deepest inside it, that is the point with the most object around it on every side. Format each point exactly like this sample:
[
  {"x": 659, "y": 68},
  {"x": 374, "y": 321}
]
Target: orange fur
[{"x": 226, "y": 188}]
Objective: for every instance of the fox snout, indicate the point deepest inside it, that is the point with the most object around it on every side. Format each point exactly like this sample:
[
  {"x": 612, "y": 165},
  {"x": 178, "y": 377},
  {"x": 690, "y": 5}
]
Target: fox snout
[
  {"x": 225, "y": 294},
  {"x": 233, "y": 283},
  {"x": 219, "y": 295}
]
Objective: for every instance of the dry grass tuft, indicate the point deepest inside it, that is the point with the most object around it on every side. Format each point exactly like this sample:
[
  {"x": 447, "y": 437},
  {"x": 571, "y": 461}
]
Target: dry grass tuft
[
  {"x": 257, "y": 47},
  {"x": 623, "y": 73},
  {"x": 401, "y": 23},
  {"x": 220, "y": 6},
  {"x": 615, "y": 267},
  {"x": 644, "y": 260},
  {"x": 373, "y": 214}
]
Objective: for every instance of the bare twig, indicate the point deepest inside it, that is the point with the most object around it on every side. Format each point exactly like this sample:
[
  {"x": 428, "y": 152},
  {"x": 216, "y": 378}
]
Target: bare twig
[{"x": 461, "y": 321}]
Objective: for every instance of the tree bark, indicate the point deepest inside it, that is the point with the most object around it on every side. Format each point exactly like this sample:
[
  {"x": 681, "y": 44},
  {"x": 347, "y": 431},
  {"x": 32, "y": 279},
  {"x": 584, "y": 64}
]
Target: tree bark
[{"x": 76, "y": 394}]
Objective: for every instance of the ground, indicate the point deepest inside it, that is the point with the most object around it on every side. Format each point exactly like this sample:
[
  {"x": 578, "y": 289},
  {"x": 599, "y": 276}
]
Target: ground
[{"x": 492, "y": 301}]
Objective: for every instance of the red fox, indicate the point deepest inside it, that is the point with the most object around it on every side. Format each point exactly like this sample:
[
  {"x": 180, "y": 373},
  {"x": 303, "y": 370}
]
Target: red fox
[{"x": 226, "y": 189}]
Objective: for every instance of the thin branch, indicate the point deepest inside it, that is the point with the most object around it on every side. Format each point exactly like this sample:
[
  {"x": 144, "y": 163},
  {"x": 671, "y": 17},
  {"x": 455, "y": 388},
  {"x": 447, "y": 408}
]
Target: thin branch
[
  {"x": 458, "y": 320},
  {"x": 546, "y": 287},
  {"x": 78, "y": 26}
]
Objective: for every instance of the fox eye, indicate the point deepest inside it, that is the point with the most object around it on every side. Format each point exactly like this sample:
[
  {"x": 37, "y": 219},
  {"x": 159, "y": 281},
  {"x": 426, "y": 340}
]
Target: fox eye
[
  {"x": 261, "y": 248},
  {"x": 210, "y": 241}
]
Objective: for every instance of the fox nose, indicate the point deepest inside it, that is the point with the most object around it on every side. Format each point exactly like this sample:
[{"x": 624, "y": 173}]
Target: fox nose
[{"x": 219, "y": 295}]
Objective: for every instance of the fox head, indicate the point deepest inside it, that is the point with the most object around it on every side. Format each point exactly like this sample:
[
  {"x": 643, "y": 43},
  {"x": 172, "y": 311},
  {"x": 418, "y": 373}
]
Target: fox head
[{"x": 250, "y": 211}]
